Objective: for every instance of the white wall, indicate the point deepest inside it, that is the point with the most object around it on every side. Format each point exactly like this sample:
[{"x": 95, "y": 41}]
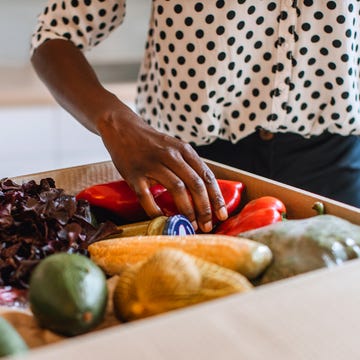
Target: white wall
[
  {"x": 18, "y": 19},
  {"x": 36, "y": 134},
  {"x": 36, "y": 138},
  {"x": 41, "y": 138}
]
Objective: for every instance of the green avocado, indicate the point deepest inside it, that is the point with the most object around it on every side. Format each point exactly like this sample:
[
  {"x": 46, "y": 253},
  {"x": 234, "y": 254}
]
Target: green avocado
[
  {"x": 68, "y": 294},
  {"x": 11, "y": 342}
]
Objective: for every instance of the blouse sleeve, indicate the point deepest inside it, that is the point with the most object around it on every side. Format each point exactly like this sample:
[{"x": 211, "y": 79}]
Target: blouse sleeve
[{"x": 84, "y": 22}]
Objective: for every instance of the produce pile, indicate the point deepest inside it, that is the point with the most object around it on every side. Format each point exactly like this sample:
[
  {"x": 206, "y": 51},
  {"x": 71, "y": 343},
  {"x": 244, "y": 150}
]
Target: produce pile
[
  {"x": 51, "y": 244},
  {"x": 37, "y": 220}
]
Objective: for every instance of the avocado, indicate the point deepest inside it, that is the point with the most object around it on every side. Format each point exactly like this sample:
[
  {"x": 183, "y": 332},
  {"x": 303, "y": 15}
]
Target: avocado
[
  {"x": 11, "y": 342},
  {"x": 68, "y": 294}
]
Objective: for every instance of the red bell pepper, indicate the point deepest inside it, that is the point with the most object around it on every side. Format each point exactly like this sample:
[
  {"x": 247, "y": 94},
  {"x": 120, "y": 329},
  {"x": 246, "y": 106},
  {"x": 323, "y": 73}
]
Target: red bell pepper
[
  {"x": 119, "y": 198},
  {"x": 259, "y": 212}
]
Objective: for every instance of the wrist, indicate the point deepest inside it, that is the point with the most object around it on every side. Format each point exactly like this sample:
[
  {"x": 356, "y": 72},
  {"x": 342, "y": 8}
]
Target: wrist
[{"x": 111, "y": 115}]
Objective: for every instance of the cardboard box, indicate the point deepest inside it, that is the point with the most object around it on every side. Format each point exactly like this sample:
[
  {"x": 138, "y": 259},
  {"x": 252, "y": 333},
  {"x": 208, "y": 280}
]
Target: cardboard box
[{"x": 310, "y": 316}]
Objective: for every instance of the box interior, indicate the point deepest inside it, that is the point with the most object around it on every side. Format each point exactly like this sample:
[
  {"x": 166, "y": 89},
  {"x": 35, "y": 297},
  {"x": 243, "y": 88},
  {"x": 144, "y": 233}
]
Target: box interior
[{"x": 309, "y": 316}]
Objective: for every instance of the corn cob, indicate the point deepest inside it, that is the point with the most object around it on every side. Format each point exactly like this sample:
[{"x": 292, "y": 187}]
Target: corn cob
[
  {"x": 171, "y": 279},
  {"x": 245, "y": 256}
]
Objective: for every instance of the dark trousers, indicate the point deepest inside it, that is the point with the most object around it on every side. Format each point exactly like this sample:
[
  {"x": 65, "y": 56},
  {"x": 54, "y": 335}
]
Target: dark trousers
[{"x": 327, "y": 165}]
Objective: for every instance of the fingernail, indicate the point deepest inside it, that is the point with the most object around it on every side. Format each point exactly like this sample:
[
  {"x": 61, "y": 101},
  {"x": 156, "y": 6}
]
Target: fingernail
[
  {"x": 222, "y": 213},
  {"x": 195, "y": 225},
  {"x": 207, "y": 226}
]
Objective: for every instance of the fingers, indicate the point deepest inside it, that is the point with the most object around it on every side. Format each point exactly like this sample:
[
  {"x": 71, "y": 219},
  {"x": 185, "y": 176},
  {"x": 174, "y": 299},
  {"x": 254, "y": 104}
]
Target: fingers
[
  {"x": 192, "y": 174},
  {"x": 201, "y": 202},
  {"x": 190, "y": 195},
  {"x": 146, "y": 199},
  {"x": 216, "y": 198},
  {"x": 197, "y": 210},
  {"x": 204, "y": 190}
]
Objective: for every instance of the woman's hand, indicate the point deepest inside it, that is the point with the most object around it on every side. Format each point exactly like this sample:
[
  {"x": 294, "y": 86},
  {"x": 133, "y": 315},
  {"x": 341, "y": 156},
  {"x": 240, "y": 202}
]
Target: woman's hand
[{"x": 144, "y": 156}]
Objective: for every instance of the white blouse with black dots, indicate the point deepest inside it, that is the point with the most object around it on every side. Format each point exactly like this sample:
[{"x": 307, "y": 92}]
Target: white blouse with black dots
[{"x": 223, "y": 68}]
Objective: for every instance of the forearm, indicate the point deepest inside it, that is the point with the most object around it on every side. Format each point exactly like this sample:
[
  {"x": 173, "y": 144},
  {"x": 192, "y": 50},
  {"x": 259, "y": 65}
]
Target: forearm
[{"x": 73, "y": 83}]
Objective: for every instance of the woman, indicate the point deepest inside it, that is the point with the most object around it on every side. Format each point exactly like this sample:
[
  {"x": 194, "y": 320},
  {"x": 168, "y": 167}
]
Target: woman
[{"x": 269, "y": 87}]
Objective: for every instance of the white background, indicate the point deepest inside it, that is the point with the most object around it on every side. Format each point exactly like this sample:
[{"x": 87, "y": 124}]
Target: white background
[{"x": 36, "y": 134}]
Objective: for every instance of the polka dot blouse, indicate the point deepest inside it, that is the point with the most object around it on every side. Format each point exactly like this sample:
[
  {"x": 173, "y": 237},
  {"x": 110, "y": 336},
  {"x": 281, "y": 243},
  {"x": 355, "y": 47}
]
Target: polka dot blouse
[{"x": 224, "y": 68}]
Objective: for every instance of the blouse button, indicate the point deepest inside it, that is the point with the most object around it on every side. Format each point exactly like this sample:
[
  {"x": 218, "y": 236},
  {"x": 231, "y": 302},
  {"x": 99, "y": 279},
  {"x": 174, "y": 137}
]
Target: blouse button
[{"x": 265, "y": 135}]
